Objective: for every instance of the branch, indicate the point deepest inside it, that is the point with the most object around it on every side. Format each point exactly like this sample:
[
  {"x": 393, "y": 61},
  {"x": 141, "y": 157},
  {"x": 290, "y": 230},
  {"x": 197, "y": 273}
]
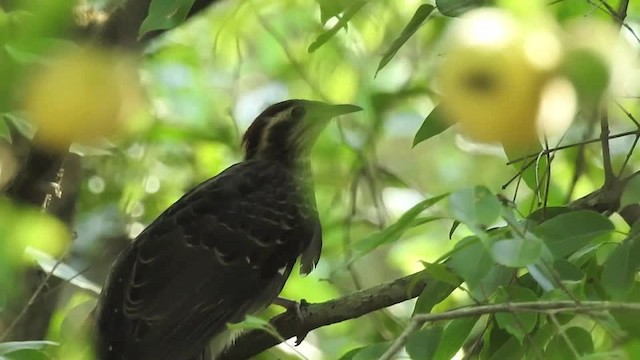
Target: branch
[
  {"x": 549, "y": 307},
  {"x": 122, "y": 25},
  {"x": 330, "y": 312},
  {"x": 568, "y": 146}
]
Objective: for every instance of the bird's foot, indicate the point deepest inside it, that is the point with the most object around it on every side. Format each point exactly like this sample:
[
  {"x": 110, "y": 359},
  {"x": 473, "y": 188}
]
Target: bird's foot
[{"x": 301, "y": 311}]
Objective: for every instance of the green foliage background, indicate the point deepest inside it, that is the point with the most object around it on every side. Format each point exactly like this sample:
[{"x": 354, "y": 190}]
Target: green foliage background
[{"x": 208, "y": 78}]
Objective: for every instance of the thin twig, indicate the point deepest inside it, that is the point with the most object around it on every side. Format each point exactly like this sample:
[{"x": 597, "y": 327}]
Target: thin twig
[
  {"x": 609, "y": 176},
  {"x": 346, "y": 241},
  {"x": 568, "y": 146},
  {"x": 32, "y": 299},
  {"x": 546, "y": 307}
]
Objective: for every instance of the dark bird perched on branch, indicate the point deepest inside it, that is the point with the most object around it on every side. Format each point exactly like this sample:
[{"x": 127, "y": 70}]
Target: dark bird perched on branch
[{"x": 224, "y": 250}]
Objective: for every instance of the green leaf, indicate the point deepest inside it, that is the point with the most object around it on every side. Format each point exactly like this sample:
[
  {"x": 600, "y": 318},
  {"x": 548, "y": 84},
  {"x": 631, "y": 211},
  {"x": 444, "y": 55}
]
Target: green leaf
[
  {"x": 567, "y": 233},
  {"x": 519, "y": 324},
  {"x": 567, "y": 271},
  {"x": 589, "y": 73},
  {"x": 541, "y": 215},
  {"x": 454, "y": 337},
  {"x": 434, "y": 124},
  {"x": 165, "y": 14},
  {"x": 534, "y": 174},
  {"x": 331, "y": 8},
  {"x": 620, "y": 269},
  {"x": 61, "y": 270},
  {"x": 455, "y": 8},
  {"x": 371, "y": 352},
  {"x": 540, "y": 339},
  {"x": 454, "y": 226},
  {"x": 396, "y": 230},
  {"x": 517, "y": 252},
  {"x": 327, "y": 35},
  {"x": 255, "y": 323},
  {"x": 441, "y": 273},
  {"x": 475, "y": 206},
  {"x": 631, "y": 193},
  {"x": 559, "y": 348},
  {"x": 412, "y": 26},
  {"x": 434, "y": 293},
  {"x": 541, "y": 276},
  {"x": 423, "y": 344},
  {"x": 471, "y": 262},
  {"x": 497, "y": 276},
  {"x": 628, "y": 319},
  {"x": 501, "y": 345},
  {"x": 13, "y": 346}
]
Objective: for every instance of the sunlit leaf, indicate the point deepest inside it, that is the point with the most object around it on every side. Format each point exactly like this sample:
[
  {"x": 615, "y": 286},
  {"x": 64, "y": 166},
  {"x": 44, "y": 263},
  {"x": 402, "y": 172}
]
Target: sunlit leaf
[
  {"x": 13, "y": 346},
  {"x": 412, "y": 26},
  {"x": 61, "y": 270},
  {"x": 434, "y": 124},
  {"x": 475, "y": 206},
  {"x": 517, "y": 252}
]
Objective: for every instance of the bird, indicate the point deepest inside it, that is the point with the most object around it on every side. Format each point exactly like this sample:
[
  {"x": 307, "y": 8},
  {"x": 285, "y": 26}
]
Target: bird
[{"x": 223, "y": 250}]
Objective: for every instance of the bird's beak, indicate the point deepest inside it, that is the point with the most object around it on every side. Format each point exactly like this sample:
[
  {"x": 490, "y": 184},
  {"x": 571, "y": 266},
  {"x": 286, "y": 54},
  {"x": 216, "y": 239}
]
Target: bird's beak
[
  {"x": 341, "y": 109},
  {"x": 319, "y": 114},
  {"x": 320, "y": 110}
]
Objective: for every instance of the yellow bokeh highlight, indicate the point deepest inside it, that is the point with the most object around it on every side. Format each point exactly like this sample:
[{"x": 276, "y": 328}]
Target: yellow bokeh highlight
[
  {"x": 341, "y": 83},
  {"x": 25, "y": 227},
  {"x": 43, "y": 232},
  {"x": 493, "y": 74},
  {"x": 82, "y": 95}
]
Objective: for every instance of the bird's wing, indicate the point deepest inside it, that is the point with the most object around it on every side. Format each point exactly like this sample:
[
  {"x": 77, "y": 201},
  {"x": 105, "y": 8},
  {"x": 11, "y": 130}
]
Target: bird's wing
[{"x": 224, "y": 249}]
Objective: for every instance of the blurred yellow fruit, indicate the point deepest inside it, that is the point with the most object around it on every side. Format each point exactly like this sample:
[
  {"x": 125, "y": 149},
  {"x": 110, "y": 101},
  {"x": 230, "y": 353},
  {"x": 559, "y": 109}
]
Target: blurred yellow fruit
[
  {"x": 81, "y": 96},
  {"x": 493, "y": 73}
]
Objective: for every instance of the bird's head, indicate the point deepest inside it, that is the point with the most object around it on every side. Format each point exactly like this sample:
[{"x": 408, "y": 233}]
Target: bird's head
[{"x": 286, "y": 131}]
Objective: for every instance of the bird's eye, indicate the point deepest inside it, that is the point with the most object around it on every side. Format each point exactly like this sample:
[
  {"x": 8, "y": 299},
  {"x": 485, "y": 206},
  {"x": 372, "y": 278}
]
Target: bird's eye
[{"x": 298, "y": 112}]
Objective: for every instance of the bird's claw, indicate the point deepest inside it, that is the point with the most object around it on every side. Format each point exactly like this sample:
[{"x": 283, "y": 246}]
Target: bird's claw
[{"x": 301, "y": 311}]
